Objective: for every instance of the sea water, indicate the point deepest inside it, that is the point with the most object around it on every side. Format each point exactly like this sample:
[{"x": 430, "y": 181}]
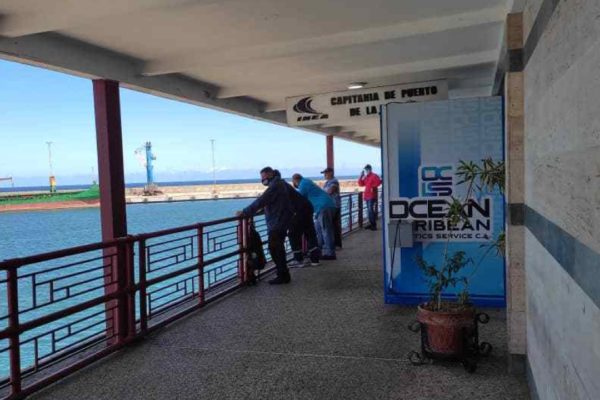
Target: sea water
[
  {"x": 29, "y": 233},
  {"x": 34, "y": 232}
]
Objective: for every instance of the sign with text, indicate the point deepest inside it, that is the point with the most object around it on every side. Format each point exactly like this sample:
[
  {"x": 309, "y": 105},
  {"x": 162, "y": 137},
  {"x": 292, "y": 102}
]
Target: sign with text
[
  {"x": 429, "y": 210},
  {"x": 430, "y": 222},
  {"x": 351, "y": 105},
  {"x": 424, "y": 146}
]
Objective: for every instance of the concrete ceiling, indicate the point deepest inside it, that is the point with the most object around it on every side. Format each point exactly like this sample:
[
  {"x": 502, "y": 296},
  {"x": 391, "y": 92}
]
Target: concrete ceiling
[{"x": 247, "y": 56}]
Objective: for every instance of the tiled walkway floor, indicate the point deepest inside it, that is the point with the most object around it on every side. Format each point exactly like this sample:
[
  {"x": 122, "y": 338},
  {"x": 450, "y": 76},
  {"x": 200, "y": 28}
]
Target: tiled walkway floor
[{"x": 327, "y": 335}]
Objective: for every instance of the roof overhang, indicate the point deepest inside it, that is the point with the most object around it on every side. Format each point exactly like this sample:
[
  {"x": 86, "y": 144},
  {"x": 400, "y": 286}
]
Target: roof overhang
[{"x": 248, "y": 56}]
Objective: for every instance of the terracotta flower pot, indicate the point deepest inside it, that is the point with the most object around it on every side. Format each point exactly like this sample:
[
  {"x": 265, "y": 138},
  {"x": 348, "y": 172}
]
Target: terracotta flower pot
[{"x": 445, "y": 330}]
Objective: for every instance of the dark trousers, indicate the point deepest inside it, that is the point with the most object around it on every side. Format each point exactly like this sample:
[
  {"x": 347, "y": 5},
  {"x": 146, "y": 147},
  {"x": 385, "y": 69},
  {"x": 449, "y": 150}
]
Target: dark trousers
[
  {"x": 277, "y": 250},
  {"x": 302, "y": 225},
  {"x": 337, "y": 227},
  {"x": 325, "y": 231},
  {"x": 372, "y": 212}
]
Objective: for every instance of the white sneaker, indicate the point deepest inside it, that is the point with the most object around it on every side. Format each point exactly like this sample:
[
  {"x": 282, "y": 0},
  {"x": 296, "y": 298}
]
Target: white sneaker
[
  {"x": 314, "y": 263},
  {"x": 296, "y": 264}
]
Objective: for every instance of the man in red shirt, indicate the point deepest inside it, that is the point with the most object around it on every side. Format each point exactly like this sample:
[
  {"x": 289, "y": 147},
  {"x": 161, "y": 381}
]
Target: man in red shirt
[{"x": 370, "y": 181}]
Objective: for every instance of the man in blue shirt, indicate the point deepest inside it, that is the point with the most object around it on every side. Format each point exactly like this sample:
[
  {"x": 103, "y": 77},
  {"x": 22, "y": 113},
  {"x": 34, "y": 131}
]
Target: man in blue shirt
[
  {"x": 324, "y": 208},
  {"x": 278, "y": 213},
  {"x": 332, "y": 187}
]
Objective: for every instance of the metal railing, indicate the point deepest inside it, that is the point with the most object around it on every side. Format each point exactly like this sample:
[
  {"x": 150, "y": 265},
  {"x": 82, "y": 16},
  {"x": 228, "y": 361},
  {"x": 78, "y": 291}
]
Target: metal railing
[{"x": 63, "y": 310}]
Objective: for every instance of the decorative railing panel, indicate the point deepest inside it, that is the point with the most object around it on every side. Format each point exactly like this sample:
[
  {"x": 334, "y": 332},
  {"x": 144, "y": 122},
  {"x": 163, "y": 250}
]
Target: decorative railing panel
[{"x": 60, "y": 311}]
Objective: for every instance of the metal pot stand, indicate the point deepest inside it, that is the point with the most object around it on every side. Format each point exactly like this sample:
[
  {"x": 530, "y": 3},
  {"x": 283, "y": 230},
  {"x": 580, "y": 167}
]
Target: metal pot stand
[{"x": 472, "y": 349}]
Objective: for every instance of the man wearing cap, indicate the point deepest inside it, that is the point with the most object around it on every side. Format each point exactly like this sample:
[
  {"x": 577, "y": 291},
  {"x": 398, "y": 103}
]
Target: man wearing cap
[
  {"x": 301, "y": 225},
  {"x": 370, "y": 181},
  {"x": 278, "y": 214},
  {"x": 332, "y": 187},
  {"x": 324, "y": 211}
]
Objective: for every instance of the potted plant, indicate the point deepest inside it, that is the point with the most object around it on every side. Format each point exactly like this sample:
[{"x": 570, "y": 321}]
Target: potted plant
[{"x": 448, "y": 324}]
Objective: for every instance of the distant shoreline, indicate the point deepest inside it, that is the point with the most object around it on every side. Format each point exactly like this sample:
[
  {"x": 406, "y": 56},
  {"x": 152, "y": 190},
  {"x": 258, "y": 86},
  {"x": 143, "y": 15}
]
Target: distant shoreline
[
  {"x": 27, "y": 189},
  {"x": 171, "y": 193}
]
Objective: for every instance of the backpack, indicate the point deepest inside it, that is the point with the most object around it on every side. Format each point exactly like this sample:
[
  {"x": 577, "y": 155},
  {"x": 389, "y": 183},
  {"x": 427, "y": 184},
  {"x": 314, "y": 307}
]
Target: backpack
[{"x": 256, "y": 259}]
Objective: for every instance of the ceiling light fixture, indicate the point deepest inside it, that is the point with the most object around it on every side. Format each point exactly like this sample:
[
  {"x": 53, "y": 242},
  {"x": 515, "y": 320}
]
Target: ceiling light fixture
[{"x": 356, "y": 85}]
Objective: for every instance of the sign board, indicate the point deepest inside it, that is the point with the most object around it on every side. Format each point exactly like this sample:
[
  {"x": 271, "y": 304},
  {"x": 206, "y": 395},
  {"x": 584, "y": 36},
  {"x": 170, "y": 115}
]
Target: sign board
[
  {"x": 423, "y": 144},
  {"x": 351, "y": 105},
  {"x": 437, "y": 188}
]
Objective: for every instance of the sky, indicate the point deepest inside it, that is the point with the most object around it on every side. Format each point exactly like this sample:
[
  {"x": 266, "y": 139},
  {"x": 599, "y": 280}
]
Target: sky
[{"x": 38, "y": 106}]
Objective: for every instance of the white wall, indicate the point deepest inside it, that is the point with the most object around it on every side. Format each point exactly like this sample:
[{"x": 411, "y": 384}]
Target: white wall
[
  {"x": 562, "y": 184},
  {"x": 563, "y": 340}
]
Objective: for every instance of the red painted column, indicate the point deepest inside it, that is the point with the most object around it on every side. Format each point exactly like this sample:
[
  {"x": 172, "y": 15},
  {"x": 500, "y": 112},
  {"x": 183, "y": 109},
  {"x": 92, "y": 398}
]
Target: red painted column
[
  {"x": 330, "y": 160},
  {"x": 112, "y": 200},
  {"x": 110, "y": 159}
]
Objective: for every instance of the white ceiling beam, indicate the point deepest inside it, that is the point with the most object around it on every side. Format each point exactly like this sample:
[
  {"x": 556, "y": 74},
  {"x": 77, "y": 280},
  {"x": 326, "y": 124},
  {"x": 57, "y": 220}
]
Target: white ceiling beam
[
  {"x": 53, "y": 51},
  {"x": 331, "y": 125},
  {"x": 361, "y": 136},
  {"x": 193, "y": 59},
  {"x": 228, "y": 93},
  {"x": 54, "y": 17},
  {"x": 274, "y": 107},
  {"x": 299, "y": 85},
  {"x": 347, "y": 134},
  {"x": 431, "y": 64}
]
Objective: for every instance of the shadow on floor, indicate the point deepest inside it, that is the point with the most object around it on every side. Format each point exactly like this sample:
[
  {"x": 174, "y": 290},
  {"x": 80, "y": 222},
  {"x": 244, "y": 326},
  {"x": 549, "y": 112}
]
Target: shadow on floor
[{"x": 327, "y": 335}]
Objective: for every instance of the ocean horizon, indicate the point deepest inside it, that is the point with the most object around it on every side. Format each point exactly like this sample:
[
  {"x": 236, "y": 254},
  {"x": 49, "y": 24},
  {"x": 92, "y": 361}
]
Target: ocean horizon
[{"x": 84, "y": 186}]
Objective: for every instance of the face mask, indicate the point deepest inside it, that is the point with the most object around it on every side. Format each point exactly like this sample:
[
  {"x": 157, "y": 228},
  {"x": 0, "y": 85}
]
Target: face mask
[
  {"x": 366, "y": 171},
  {"x": 266, "y": 182}
]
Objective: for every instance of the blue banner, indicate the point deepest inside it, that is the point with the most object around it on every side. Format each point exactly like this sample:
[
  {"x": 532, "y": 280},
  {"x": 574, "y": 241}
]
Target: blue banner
[{"x": 423, "y": 144}]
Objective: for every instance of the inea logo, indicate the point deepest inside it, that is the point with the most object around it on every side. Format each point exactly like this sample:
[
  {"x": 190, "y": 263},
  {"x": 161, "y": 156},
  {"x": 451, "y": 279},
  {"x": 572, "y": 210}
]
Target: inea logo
[
  {"x": 436, "y": 181},
  {"x": 304, "y": 106}
]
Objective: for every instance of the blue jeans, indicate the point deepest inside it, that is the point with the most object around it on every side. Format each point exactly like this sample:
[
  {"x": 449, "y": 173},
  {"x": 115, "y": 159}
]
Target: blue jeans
[
  {"x": 326, "y": 230},
  {"x": 372, "y": 213}
]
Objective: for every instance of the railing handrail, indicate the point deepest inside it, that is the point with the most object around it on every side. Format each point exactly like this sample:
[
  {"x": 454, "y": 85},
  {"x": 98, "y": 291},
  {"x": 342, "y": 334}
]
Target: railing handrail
[
  {"x": 215, "y": 260},
  {"x": 69, "y": 251},
  {"x": 41, "y": 257},
  {"x": 170, "y": 231}
]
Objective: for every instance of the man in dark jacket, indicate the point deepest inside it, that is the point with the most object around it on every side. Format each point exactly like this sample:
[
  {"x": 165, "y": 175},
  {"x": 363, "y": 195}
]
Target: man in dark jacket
[
  {"x": 278, "y": 213},
  {"x": 301, "y": 225}
]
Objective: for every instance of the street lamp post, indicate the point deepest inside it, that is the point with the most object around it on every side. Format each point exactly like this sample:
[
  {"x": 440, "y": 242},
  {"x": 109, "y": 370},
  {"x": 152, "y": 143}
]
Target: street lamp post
[
  {"x": 214, "y": 171},
  {"x": 51, "y": 179}
]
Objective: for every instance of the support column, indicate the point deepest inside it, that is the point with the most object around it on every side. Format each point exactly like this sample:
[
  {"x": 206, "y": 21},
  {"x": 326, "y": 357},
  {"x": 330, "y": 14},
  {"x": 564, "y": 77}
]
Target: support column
[
  {"x": 329, "y": 144},
  {"x": 110, "y": 158},
  {"x": 515, "y": 196},
  {"x": 112, "y": 201}
]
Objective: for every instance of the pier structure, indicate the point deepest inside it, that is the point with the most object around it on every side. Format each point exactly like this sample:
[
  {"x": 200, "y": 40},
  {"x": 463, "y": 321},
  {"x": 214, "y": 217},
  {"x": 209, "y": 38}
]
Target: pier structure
[
  {"x": 297, "y": 342},
  {"x": 327, "y": 68}
]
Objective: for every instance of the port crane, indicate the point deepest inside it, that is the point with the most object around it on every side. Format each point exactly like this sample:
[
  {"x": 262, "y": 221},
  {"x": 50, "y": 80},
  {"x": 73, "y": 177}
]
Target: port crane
[{"x": 145, "y": 157}]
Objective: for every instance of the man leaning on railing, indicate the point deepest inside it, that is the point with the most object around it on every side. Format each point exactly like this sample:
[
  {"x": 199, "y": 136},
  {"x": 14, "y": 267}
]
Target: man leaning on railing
[{"x": 278, "y": 213}]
